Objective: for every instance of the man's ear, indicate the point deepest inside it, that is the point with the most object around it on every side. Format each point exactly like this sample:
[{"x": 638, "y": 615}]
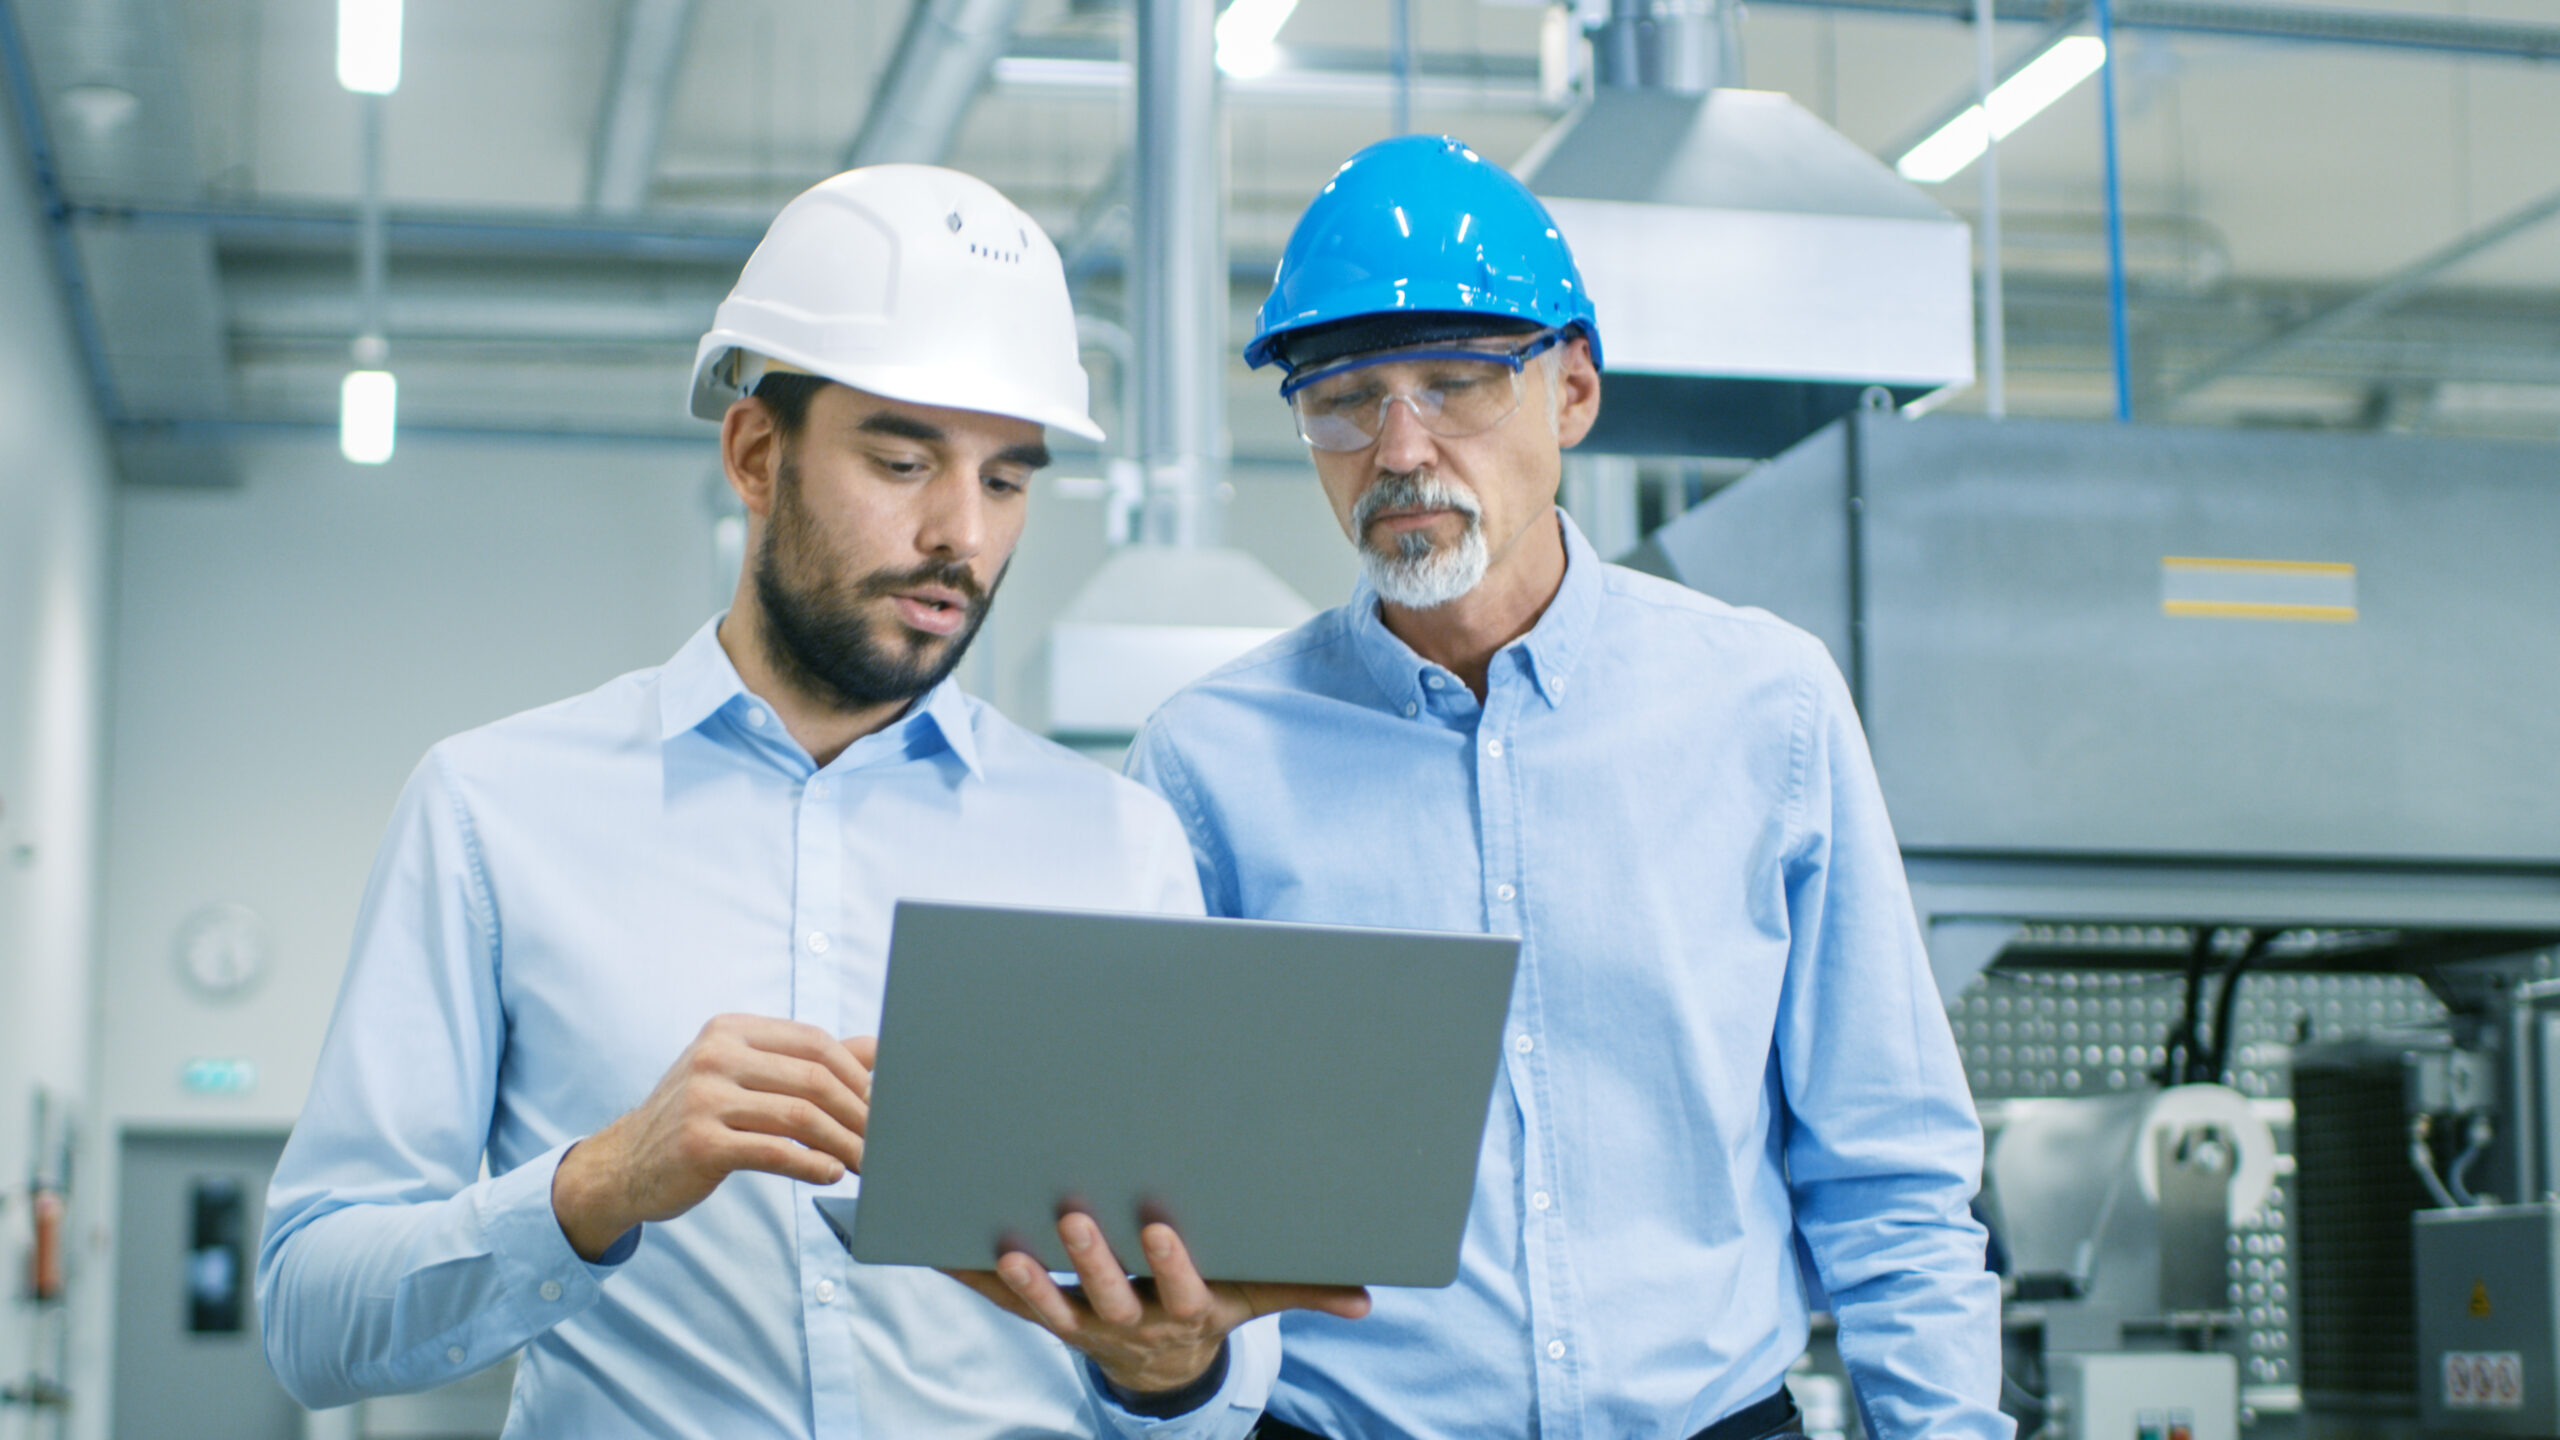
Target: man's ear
[
  {"x": 751, "y": 454},
  {"x": 1578, "y": 392}
]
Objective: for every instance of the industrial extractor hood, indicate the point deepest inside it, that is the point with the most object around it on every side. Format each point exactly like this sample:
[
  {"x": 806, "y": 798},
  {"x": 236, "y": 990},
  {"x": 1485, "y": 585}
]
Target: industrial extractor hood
[{"x": 1755, "y": 271}]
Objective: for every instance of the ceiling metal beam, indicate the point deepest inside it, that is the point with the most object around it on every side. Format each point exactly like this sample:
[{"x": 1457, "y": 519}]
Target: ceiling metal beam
[
  {"x": 942, "y": 59},
  {"x": 2316, "y": 24},
  {"x": 647, "y": 54},
  {"x": 2365, "y": 304}
]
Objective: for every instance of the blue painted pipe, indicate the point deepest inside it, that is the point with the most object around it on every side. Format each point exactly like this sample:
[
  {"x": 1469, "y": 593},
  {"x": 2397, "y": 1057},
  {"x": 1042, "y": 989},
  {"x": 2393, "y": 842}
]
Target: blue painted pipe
[{"x": 2116, "y": 318}]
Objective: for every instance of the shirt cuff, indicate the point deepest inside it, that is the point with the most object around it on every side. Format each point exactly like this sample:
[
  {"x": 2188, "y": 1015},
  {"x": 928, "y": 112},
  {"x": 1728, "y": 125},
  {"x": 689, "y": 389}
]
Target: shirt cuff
[
  {"x": 1251, "y": 1359},
  {"x": 1166, "y": 1404},
  {"x": 547, "y": 1280}
]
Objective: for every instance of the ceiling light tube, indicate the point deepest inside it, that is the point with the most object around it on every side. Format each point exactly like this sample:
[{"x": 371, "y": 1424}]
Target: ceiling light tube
[
  {"x": 369, "y": 46},
  {"x": 1246, "y": 34},
  {"x": 2016, "y": 100},
  {"x": 368, "y": 415}
]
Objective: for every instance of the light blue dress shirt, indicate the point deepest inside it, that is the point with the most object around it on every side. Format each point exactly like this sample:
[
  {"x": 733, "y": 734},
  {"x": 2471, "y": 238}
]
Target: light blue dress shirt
[
  {"x": 1724, "y": 1035},
  {"x": 564, "y": 898}
]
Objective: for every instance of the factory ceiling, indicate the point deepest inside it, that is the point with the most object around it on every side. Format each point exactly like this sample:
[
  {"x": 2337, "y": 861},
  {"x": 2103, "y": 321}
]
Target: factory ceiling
[{"x": 2335, "y": 210}]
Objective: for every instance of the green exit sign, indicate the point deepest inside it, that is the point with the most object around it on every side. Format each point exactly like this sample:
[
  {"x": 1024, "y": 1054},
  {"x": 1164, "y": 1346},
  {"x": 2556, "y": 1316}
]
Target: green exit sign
[{"x": 219, "y": 1077}]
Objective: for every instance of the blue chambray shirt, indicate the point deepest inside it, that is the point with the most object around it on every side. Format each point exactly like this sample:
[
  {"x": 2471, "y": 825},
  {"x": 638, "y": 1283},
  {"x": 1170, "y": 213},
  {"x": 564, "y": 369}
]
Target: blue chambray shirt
[
  {"x": 564, "y": 898},
  {"x": 1724, "y": 1035}
]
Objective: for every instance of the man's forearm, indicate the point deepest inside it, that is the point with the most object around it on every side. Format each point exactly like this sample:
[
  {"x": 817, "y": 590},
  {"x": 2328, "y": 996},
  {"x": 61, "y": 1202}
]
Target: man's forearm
[{"x": 369, "y": 1299}]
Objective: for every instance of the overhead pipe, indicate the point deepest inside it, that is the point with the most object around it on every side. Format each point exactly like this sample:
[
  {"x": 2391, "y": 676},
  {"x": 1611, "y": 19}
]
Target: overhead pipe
[
  {"x": 36, "y": 142},
  {"x": 647, "y": 54},
  {"x": 1995, "y": 309},
  {"x": 1400, "y": 61},
  {"x": 2287, "y": 21},
  {"x": 371, "y": 344},
  {"x": 1180, "y": 250},
  {"x": 942, "y": 59},
  {"x": 2119, "y": 321}
]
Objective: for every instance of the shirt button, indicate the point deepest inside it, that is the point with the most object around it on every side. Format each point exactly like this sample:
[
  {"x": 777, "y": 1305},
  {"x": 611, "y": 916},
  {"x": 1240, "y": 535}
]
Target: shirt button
[
  {"x": 550, "y": 1289},
  {"x": 826, "y": 1292},
  {"x": 1540, "y": 1201},
  {"x": 1523, "y": 1044},
  {"x": 817, "y": 789},
  {"x": 1555, "y": 1349},
  {"x": 1493, "y": 748},
  {"x": 1411, "y": 709},
  {"x": 1434, "y": 681},
  {"x": 453, "y": 1354},
  {"x": 755, "y": 715},
  {"x": 817, "y": 942},
  {"x": 1503, "y": 892}
]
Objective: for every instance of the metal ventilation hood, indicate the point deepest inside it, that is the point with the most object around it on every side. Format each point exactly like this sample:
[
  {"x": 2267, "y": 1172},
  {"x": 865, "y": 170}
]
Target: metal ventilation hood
[{"x": 1755, "y": 270}]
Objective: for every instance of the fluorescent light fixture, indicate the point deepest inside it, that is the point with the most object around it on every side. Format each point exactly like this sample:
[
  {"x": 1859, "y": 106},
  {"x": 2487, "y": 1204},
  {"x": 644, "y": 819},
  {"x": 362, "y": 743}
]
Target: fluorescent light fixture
[
  {"x": 369, "y": 46},
  {"x": 368, "y": 412},
  {"x": 1246, "y": 33},
  {"x": 2016, "y": 100}
]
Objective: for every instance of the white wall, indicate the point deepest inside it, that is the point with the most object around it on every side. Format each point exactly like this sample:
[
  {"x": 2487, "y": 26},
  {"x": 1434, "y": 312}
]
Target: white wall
[
  {"x": 286, "y": 652},
  {"x": 55, "y": 495}
]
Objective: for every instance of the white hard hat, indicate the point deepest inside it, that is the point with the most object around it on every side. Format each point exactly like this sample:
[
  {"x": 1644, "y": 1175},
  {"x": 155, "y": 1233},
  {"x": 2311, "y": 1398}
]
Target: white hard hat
[{"x": 914, "y": 283}]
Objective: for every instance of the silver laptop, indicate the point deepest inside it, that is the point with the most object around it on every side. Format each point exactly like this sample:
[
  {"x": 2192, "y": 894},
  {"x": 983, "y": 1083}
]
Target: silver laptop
[{"x": 1302, "y": 1102}]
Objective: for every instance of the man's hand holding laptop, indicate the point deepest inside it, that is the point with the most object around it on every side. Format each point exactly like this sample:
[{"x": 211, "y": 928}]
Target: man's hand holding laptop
[{"x": 1144, "y": 1337}]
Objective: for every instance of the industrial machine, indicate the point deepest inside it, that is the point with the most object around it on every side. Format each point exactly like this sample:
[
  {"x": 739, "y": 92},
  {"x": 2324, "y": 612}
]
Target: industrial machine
[{"x": 2227, "y": 771}]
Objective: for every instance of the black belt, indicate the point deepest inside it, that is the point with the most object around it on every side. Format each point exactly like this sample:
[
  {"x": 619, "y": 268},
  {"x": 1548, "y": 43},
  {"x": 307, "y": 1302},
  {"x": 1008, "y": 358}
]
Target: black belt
[{"x": 1772, "y": 1415}]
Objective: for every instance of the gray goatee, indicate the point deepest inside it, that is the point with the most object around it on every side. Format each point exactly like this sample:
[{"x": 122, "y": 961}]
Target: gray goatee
[{"x": 1417, "y": 574}]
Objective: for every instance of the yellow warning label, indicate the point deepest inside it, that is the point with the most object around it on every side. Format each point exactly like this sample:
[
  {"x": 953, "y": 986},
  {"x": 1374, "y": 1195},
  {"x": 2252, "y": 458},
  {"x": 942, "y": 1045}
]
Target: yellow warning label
[
  {"x": 2480, "y": 1299},
  {"x": 2202, "y": 587}
]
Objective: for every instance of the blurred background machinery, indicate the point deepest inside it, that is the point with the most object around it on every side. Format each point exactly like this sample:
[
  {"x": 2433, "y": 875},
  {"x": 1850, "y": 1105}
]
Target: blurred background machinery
[{"x": 2222, "y": 768}]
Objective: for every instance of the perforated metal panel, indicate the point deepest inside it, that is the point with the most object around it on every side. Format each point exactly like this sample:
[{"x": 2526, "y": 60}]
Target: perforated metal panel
[{"x": 2088, "y": 1032}]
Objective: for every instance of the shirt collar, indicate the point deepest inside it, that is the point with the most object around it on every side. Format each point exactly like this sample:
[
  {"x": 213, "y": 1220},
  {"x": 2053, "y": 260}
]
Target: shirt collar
[
  {"x": 700, "y": 682},
  {"x": 697, "y": 682},
  {"x": 1548, "y": 652}
]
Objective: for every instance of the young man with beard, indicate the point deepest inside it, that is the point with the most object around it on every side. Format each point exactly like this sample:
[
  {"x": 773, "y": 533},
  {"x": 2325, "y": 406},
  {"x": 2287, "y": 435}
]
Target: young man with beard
[
  {"x": 611, "y": 947},
  {"x": 1724, "y": 1047}
]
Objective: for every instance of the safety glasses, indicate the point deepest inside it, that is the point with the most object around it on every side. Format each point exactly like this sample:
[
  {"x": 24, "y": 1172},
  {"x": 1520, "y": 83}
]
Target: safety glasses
[{"x": 1453, "y": 393}]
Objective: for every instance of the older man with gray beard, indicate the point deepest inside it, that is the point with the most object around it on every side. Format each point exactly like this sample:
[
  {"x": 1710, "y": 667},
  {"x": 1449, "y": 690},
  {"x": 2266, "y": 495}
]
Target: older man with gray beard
[{"x": 1724, "y": 1050}]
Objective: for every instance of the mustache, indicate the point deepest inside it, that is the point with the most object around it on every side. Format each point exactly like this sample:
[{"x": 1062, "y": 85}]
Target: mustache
[
  {"x": 1412, "y": 490},
  {"x": 950, "y": 574}
]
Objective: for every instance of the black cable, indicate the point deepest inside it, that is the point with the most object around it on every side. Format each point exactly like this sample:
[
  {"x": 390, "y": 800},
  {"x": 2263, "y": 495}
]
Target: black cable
[
  {"x": 2226, "y": 1005},
  {"x": 2179, "y": 1063}
]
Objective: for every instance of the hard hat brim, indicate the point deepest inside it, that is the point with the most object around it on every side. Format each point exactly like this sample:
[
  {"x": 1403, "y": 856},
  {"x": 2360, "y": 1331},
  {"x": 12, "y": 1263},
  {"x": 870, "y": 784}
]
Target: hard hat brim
[{"x": 939, "y": 386}]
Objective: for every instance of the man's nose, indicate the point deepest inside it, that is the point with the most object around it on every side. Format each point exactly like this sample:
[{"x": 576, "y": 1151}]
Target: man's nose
[
  {"x": 1403, "y": 444},
  {"x": 954, "y": 522}
]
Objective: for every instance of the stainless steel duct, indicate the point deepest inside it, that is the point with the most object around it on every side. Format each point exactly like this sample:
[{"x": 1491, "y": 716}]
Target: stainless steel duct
[
  {"x": 646, "y": 56},
  {"x": 1685, "y": 46},
  {"x": 1181, "y": 268},
  {"x": 1167, "y": 610},
  {"x": 942, "y": 59}
]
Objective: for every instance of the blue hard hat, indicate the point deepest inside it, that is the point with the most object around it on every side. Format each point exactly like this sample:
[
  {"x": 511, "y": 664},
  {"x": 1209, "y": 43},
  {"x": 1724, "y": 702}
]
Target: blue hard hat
[{"x": 1422, "y": 227}]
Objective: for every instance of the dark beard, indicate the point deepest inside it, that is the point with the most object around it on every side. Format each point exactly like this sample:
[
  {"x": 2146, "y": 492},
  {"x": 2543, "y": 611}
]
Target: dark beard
[{"x": 820, "y": 636}]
